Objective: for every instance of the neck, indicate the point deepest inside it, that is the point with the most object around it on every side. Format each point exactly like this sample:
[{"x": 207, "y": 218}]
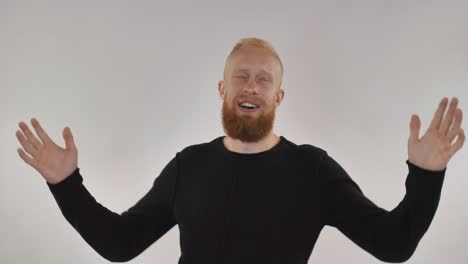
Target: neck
[{"x": 266, "y": 143}]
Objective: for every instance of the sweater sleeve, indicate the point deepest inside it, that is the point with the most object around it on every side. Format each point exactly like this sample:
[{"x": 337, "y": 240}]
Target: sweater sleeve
[
  {"x": 119, "y": 237},
  {"x": 390, "y": 236}
]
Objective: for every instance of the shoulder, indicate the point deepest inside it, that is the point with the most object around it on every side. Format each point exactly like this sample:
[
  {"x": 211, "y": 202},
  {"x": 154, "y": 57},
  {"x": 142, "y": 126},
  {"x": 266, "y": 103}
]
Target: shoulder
[
  {"x": 310, "y": 155},
  {"x": 308, "y": 151},
  {"x": 311, "y": 151},
  {"x": 198, "y": 149}
]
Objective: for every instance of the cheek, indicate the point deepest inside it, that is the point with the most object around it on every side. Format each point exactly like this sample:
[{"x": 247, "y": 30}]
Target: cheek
[{"x": 237, "y": 82}]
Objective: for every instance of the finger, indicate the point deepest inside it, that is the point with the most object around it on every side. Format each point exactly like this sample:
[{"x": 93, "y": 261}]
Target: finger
[
  {"x": 435, "y": 123},
  {"x": 26, "y": 158},
  {"x": 67, "y": 135},
  {"x": 459, "y": 143},
  {"x": 26, "y": 145},
  {"x": 456, "y": 125},
  {"x": 40, "y": 132},
  {"x": 449, "y": 116},
  {"x": 33, "y": 140},
  {"x": 415, "y": 125}
]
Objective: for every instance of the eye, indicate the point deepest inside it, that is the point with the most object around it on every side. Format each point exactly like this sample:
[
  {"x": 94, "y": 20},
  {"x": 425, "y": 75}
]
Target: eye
[{"x": 241, "y": 76}]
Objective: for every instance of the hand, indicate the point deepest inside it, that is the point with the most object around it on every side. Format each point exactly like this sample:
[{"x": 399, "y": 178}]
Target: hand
[
  {"x": 435, "y": 148},
  {"x": 51, "y": 161}
]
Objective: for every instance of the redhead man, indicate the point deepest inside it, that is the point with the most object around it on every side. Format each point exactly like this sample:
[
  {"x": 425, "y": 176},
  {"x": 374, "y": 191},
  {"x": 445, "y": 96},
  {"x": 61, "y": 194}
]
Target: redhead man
[{"x": 252, "y": 196}]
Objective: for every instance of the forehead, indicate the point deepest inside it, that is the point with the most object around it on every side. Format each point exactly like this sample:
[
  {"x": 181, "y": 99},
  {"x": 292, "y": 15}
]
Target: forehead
[{"x": 254, "y": 59}]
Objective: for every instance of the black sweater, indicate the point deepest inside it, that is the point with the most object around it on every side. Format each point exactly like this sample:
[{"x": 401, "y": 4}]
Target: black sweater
[{"x": 266, "y": 207}]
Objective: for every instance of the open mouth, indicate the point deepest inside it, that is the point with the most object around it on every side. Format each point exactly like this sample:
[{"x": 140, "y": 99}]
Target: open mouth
[{"x": 248, "y": 107}]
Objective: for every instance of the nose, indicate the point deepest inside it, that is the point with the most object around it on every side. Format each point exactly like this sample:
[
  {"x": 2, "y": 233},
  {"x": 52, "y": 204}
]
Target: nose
[{"x": 251, "y": 87}]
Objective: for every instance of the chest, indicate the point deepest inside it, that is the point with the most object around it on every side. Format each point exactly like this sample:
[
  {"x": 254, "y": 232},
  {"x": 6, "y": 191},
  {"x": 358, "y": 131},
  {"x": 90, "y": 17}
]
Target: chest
[{"x": 243, "y": 202}]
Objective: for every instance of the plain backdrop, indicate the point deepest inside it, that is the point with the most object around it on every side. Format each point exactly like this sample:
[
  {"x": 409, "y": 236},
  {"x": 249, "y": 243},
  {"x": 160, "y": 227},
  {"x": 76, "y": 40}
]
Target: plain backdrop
[{"x": 136, "y": 81}]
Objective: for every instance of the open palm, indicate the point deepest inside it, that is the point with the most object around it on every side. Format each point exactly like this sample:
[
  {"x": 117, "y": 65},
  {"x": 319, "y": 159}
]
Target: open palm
[
  {"x": 53, "y": 162},
  {"x": 436, "y": 147}
]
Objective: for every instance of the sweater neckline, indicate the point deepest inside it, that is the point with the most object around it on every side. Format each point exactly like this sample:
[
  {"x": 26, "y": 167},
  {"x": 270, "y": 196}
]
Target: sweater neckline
[{"x": 220, "y": 145}]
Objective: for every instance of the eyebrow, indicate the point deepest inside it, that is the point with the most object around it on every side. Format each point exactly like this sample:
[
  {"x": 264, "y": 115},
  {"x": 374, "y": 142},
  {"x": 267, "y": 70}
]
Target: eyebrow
[{"x": 246, "y": 71}]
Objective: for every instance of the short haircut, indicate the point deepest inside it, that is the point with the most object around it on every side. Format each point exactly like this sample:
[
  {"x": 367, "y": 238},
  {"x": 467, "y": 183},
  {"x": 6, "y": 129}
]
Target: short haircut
[{"x": 258, "y": 43}]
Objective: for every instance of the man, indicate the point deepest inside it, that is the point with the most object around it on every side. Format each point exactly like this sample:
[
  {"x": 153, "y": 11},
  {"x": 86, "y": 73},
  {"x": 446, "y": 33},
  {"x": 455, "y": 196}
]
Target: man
[{"x": 253, "y": 196}]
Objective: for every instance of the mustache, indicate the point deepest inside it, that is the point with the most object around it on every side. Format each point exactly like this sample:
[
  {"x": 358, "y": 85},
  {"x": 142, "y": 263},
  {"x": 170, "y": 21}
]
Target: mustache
[{"x": 253, "y": 100}]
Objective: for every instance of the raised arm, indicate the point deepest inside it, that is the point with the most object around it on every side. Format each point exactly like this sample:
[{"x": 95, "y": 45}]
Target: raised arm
[
  {"x": 390, "y": 236},
  {"x": 116, "y": 237},
  {"x": 393, "y": 236}
]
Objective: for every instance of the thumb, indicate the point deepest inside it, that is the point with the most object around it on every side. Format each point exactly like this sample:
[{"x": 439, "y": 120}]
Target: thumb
[
  {"x": 415, "y": 125},
  {"x": 67, "y": 135}
]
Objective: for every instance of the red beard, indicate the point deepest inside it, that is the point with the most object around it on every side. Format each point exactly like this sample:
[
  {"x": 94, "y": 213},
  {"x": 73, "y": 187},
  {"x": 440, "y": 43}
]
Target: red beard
[{"x": 246, "y": 127}]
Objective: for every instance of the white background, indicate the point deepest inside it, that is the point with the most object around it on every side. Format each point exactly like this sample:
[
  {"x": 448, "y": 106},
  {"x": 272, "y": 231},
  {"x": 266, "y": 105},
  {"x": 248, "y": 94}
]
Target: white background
[{"x": 136, "y": 81}]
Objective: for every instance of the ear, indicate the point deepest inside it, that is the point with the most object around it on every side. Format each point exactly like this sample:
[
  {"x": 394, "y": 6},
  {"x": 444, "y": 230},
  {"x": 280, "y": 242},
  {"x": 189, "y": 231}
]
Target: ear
[
  {"x": 279, "y": 96},
  {"x": 221, "y": 90}
]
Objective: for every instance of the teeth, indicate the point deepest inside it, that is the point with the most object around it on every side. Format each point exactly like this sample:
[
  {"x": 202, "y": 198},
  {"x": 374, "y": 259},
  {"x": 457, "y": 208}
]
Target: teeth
[{"x": 248, "y": 105}]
